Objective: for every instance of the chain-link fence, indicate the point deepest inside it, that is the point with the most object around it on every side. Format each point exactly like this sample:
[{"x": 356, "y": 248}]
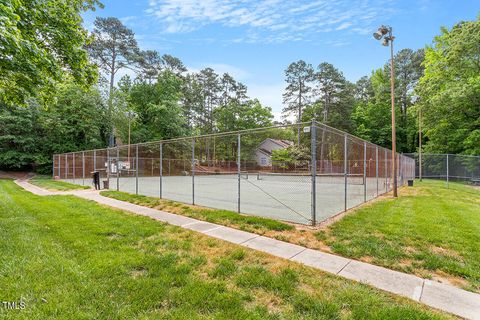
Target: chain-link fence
[
  {"x": 448, "y": 167},
  {"x": 303, "y": 173}
]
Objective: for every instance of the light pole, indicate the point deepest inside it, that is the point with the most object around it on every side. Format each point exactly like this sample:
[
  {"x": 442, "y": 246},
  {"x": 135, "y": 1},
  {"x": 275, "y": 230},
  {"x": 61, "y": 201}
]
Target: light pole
[
  {"x": 420, "y": 142},
  {"x": 385, "y": 32}
]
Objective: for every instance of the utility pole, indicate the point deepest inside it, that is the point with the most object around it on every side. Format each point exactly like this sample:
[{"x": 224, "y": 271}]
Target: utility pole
[{"x": 385, "y": 32}]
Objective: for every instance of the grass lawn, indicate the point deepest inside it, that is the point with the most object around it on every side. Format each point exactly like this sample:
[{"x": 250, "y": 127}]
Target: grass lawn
[
  {"x": 69, "y": 258},
  {"x": 55, "y": 185},
  {"x": 430, "y": 231},
  {"x": 224, "y": 217}
]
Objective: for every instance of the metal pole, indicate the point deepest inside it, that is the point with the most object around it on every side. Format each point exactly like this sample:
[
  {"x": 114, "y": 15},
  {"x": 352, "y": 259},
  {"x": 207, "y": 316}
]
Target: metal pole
[
  {"x": 364, "y": 171},
  {"x": 108, "y": 168},
  {"x": 239, "y": 166},
  {"x": 313, "y": 139},
  {"x": 59, "y": 166},
  {"x": 394, "y": 133},
  {"x": 420, "y": 142},
  {"x": 193, "y": 171},
  {"x": 376, "y": 166},
  {"x": 66, "y": 166},
  {"x": 161, "y": 169},
  {"x": 345, "y": 168},
  {"x": 447, "y": 171},
  {"x": 136, "y": 169},
  {"x": 53, "y": 166},
  {"x": 94, "y": 160},
  {"x": 73, "y": 155},
  {"x": 386, "y": 170},
  {"x": 118, "y": 169},
  {"x": 83, "y": 167}
]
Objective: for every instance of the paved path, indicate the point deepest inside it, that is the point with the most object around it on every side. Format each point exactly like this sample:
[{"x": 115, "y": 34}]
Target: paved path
[{"x": 441, "y": 296}]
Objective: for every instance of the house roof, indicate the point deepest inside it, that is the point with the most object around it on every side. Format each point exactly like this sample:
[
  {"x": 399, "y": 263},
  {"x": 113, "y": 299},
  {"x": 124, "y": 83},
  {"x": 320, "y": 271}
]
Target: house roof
[
  {"x": 282, "y": 143},
  {"x": 265, "y": 151}
]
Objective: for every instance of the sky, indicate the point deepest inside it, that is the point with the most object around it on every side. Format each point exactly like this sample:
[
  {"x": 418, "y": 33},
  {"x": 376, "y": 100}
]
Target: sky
[{"x": 256, "y": 40}]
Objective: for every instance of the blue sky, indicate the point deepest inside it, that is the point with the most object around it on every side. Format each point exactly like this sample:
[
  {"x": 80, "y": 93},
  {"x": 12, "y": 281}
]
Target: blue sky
[{"x": 255, "y": 40}]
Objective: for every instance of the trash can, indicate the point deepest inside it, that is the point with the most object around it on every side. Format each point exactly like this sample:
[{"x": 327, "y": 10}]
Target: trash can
[
  {"x": 105, "y": 184},
  {"x": 96, "y": 179},
  {"x": 410, "y": 183}
]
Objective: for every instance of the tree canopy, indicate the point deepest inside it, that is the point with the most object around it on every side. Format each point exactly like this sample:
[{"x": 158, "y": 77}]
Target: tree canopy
[{"x": 40, "y": 43}]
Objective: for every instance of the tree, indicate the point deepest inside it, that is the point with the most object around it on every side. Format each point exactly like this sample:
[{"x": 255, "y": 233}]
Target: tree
[
  {"x": 373, "y": 118},
  {"x": 30, "y": 135},
  {"x": 334, "y": 97},
  {"x": 113, "y": 47},
  {"x": 40, "y": 43},
  {"x": 173, "y": 64},
  {"x": 150, "y": 63},
  {"x": 158, "y": 109},
  {"x": 210, "y": 98},
  {"x": 450, "y": 90},
  {"x": 248, "y": 115},
  {"x": 297, "y": 93}
]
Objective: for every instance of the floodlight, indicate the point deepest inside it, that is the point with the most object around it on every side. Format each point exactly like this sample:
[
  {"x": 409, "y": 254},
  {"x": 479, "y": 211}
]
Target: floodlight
[
  {"x": 378, "y": 35},
  {"x": 385, "y": 42}
]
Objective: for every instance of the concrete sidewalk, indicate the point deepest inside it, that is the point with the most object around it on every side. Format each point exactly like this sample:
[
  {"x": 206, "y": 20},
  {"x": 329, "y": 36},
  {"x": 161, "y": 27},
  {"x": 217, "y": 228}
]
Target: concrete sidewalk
[{"x": 440, "y": 296}]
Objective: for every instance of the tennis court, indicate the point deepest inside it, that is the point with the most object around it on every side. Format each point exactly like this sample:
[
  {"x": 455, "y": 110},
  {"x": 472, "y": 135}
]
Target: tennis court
[{"x": 303, "y": 176}]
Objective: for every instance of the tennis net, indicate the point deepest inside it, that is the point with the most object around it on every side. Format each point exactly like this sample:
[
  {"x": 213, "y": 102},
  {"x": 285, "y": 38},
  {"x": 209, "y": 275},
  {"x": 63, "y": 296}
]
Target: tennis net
[{"x": 325, "y": 178}]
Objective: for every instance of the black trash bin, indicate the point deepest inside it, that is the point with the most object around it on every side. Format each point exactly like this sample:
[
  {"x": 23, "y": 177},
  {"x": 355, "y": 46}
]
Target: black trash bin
[
  {"x": 106, "y": 184},
  {"x": 96, "y": 179},
  {"x": 410, "y": 183}
]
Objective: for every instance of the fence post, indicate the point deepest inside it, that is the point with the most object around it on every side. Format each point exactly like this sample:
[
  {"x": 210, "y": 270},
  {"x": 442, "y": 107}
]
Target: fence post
[
  {"x": 193, "y": 171},
  {"x": 83, "y": 168},
  {"x": 364, "y": 171},
  {"x": 136, "y": 169},
  {"x": 376, "y": 166},
  {"x": 66, "y": 166},
  {"x": 59, "y": 159},
  {"x": 313, "y": 132},
  {"x": 345, "y": 169},
  {"x": 94, "y": 160},
  {"x": 239, "y": 167},
  {"x": 53, "y": 166},
  {"x": 161, "y": 169},
  {"x": 386, "y": 170},
  {"x": 118, "y": 168},
  {"x": 447, "y": 171},
  {"x": 73, "y": 171},
  {"x": 108, "y": 168}
]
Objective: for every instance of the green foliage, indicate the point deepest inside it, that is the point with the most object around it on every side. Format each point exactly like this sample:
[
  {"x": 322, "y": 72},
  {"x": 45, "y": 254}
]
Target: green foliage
[
  {"x": 241, "y": 116},
  {"x": 450, "y": 90},
  {"x": 298, "y": 76},
  {"x": 40, "y": 43},
  {"x": 157, "y": 108},
  {"x": 285, "y": 158},
  {"x": 30, "y": 135}
]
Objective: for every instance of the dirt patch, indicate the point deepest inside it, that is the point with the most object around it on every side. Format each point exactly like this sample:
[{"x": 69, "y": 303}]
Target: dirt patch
[
  {"x": 443, "y": 277},
  {"x": 15, "y": 175},
  {"x": 446, "y": 252}
]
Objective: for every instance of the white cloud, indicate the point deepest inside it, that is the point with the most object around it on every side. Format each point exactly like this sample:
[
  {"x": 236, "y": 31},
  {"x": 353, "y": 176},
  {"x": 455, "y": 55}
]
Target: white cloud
[
  {"x": 220, "y": 68},
  {"x": 275, "y": 20},
  {"x": 343, "y": 26}
]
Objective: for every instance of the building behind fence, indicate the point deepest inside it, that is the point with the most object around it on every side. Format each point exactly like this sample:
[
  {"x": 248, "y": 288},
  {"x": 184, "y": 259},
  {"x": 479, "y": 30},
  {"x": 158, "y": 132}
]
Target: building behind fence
[
  {"x": 303, "y": 173},
  {"x": 448, "y": 167}
]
